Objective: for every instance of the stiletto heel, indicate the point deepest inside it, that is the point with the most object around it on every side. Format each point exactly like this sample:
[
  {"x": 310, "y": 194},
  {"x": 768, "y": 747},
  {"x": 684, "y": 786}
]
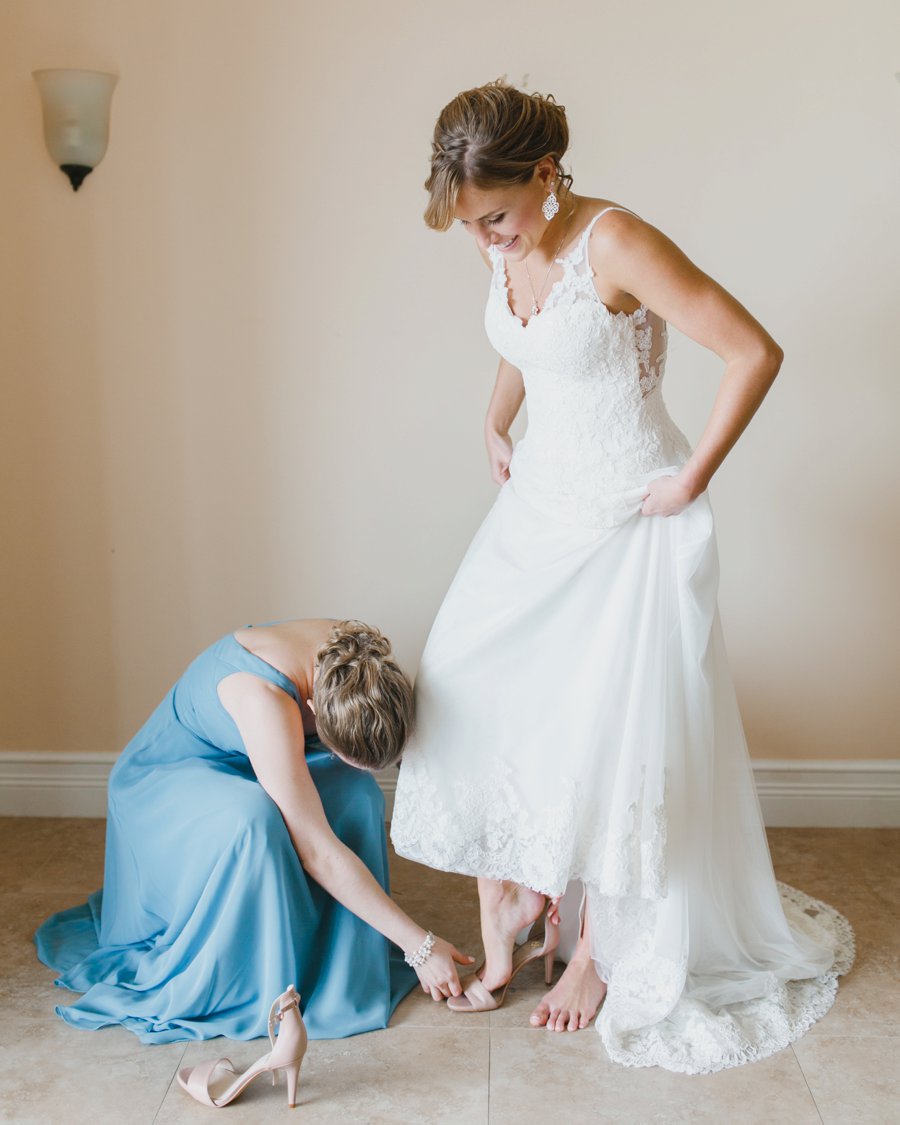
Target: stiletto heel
[
  {"x": 291, "y": 1074},
  {"x": 287, "y": 1054},
  {"x": 476, "y": 998}
]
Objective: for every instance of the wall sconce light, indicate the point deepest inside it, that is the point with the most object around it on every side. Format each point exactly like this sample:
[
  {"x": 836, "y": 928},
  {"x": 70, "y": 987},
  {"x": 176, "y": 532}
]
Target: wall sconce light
[{"x": 76, "y": 118}]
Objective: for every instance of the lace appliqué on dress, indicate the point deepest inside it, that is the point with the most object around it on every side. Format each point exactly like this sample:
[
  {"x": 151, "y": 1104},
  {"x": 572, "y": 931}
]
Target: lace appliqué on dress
[
  {"x": 650, "y": 1019},
  {"x": 651, "y": 349},
  {"x": 597, "y": 424},
  {"x": 484, "y": 827}
]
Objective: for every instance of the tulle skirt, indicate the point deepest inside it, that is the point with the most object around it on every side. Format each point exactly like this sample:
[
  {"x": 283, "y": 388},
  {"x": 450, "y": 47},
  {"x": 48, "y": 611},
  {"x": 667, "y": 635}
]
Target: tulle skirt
[{"x": 576, "y": 720}]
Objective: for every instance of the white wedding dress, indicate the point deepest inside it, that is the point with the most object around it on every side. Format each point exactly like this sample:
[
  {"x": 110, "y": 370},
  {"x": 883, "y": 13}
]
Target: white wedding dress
[{"x": 576, "y": 718}]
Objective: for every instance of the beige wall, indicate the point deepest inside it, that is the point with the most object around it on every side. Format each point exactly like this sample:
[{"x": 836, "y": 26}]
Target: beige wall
[{"x": 241, "y": 381}]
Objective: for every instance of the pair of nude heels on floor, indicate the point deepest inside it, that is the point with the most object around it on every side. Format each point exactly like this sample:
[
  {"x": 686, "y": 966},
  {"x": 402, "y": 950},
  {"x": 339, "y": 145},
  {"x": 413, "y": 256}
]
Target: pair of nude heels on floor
[{"x": 216, "y": 1083}]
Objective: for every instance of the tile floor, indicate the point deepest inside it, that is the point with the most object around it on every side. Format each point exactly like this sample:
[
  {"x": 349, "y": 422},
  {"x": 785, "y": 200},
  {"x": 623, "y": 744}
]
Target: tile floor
[{"x": 433, "y": 1066}]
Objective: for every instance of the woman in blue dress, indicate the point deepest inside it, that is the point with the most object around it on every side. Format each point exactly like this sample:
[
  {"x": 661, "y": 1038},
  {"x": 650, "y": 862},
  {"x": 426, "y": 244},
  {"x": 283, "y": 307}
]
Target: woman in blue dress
[{"x": 245, "y": 849}]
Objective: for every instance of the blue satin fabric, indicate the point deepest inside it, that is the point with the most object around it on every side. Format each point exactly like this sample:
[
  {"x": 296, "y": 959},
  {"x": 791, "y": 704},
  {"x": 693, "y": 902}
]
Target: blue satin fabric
[{"x": 206, "y": 914}]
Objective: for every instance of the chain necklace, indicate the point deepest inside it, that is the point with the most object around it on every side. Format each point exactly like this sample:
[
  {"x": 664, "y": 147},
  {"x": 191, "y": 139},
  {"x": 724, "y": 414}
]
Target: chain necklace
[{"x": 536, "y": 297}]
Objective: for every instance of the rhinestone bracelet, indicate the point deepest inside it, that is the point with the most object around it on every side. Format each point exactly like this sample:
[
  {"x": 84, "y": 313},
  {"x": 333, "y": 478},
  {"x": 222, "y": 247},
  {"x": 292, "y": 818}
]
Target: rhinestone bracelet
[{"x": 421, "y": 955}]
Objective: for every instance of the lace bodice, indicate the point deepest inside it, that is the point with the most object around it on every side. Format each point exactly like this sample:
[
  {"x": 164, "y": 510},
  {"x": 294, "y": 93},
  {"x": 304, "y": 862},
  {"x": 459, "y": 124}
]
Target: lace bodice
[{"x": 597, "y": 425}]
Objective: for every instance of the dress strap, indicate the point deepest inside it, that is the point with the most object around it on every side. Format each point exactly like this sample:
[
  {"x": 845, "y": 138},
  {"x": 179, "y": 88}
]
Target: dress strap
[
  {"x": 243, "y": 660},
  {"x": 586, "y": 233}
]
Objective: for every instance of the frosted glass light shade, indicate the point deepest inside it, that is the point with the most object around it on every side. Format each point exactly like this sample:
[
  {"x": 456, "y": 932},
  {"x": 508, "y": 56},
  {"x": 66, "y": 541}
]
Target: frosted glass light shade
[{"x": 76, "y": 118}]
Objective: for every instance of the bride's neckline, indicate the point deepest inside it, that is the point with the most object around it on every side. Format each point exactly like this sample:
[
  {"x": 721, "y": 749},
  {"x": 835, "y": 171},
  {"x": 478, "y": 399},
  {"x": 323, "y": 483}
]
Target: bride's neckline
[
  {"x": 559, "y": 259},
  {"x": 579, "y": 244}
]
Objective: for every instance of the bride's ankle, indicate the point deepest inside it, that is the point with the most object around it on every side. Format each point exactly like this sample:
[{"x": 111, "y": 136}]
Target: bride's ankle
[
  {"x": 491, "y": 893},
  {"x": 494, "y": 894}
]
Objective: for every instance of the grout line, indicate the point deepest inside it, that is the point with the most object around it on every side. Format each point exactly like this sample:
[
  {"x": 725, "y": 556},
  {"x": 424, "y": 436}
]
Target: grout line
[
  {"x": 171, "y": 1083},
  {"x": 806, "y": 1081},
  {"x": 490, "y": 1054}
]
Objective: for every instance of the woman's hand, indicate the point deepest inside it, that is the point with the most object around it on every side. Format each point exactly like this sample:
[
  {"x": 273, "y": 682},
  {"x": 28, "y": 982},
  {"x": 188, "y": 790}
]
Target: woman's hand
[
  {"x": 499, "y": 451},
  {"x": 666, "y": 496},
  {"x": 437, "y": 974}
]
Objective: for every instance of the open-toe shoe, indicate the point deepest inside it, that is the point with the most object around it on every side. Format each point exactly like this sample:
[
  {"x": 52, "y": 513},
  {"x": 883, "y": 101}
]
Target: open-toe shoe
[
  {"x": 477, "y": 998},
  {"x": 216, "y": 1083}
]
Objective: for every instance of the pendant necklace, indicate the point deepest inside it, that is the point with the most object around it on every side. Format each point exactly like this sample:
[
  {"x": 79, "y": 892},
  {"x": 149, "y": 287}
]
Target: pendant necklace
[{"x": 536, "y": 297}]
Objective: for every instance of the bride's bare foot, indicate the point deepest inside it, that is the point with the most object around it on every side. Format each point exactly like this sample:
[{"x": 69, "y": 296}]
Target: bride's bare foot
[
  {"x": 573, "y": 1001},
  {"x": 506, "y": 908}
]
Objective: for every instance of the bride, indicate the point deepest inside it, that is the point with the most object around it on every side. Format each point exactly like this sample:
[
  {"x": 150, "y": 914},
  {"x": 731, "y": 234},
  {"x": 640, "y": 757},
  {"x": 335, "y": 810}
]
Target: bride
[{"x": 576, "y": 716}]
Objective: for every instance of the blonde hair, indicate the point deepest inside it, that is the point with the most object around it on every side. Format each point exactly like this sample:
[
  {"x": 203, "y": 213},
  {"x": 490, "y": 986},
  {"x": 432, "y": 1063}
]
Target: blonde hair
[
  {"x": 362, "y": 697},
  {"x": 492, "y": 135}
]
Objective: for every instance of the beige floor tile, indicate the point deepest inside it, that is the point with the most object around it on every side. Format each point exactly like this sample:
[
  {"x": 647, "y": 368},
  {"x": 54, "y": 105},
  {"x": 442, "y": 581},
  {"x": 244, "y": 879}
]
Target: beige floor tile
[
  {"x": 853, "y": 1080},
  {"x": 25, "y": 847},
  {"x": 874, "y": 924},
  {"x": 536, "y": 1077},
  {"x": 56, "y": 1073},
  {"x": 867, "y": 1004},
  {"x": 49, "y": 853},
  {"x": 398, "y": 1075},
  {"x": 25, "y": 984},
  {"x": 49, "y": 864},
  {"x": 832, "y": 863},
  {"x": 74, "y": 861}
]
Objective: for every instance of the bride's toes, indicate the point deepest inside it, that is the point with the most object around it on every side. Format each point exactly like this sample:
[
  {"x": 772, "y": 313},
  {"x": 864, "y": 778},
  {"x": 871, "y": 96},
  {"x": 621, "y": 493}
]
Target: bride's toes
[
  {"x": 540, "y": 1015},
  {"x": 561, "y": 1023}
]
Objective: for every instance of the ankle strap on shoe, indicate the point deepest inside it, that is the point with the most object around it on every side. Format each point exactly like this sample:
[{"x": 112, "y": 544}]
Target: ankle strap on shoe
[
  {"x": 278, "y": 1010},
  {"x": 292, "y": 1003}
]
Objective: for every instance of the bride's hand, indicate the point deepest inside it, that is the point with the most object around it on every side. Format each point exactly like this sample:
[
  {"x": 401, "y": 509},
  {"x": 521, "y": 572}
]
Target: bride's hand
[
  {"x": 437, "y": 974},
  {"x": 499, "y": 451},
  {"x": 666, "y": 496}
]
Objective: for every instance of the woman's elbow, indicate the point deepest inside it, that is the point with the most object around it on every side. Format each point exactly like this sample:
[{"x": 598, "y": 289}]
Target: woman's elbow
[
  {"x": 313, "y": 856},
  {"x": 768, "y": 359}
]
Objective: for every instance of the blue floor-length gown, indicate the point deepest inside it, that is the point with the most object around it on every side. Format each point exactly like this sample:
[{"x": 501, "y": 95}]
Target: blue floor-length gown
[{"x": 206, "y": 913}]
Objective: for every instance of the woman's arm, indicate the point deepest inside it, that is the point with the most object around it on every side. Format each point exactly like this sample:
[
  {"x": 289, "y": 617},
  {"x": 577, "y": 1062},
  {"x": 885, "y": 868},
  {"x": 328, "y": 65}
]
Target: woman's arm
[
  {"x": 633, "y": 259},
  {"x": 506, "y": 401},
  {"x": 270, "y": 725}
]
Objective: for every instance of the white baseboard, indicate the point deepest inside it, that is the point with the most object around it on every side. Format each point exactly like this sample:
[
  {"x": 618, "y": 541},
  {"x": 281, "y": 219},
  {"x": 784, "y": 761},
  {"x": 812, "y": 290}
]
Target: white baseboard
[
  {"x": 47, "y": 783},
  {"x": 797, "y": 794},
  {"x": 793, "y": 794}
]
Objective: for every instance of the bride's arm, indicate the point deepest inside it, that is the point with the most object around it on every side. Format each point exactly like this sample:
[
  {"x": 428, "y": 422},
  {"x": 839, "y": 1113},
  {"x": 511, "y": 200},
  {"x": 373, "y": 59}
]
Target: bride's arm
[
  {"x": 270, "y": 725},
  {"x": 506, "y": 401},
  {"x": 505, "y": 404},
  {"x": 635, "y": 260}
]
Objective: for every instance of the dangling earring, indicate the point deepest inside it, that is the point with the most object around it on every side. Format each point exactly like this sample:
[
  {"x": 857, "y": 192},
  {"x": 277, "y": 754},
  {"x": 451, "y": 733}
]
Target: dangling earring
[{"x": 550, "y": 206}]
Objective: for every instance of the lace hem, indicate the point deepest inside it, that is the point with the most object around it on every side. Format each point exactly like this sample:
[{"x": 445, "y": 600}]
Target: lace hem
[
  {"x": 695, "y": 1039},
  {"x": 485, "y": 829}
]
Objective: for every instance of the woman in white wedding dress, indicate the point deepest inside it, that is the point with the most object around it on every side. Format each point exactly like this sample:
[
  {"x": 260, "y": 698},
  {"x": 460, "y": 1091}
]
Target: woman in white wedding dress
[{"x": 576, "y": 719}]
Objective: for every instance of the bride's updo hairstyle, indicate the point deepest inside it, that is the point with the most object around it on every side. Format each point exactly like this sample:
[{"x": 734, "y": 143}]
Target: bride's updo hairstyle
[
  {"x": 363, "y": 698},
  {"x": 491, "y": 136}
]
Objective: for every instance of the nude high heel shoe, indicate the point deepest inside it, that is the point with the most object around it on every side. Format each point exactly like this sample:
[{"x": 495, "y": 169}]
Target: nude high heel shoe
[
  {"x": 477, "y": 998},
  {"x": 216, "y": 1083}
]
